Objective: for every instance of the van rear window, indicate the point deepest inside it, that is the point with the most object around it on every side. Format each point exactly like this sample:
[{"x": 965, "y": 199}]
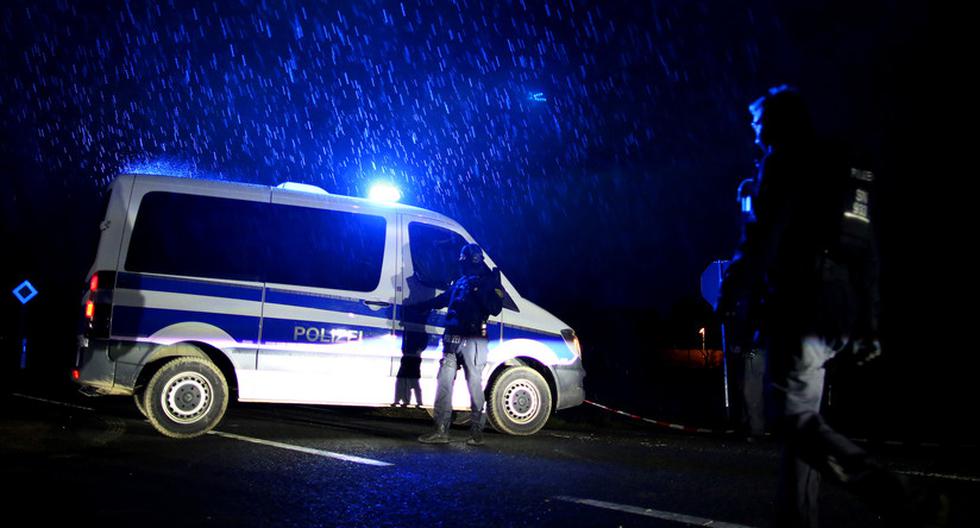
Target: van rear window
[{"x": 223, "y": 238}]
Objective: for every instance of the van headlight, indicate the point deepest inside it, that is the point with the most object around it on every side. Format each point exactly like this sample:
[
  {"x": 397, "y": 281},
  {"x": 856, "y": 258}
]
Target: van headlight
[{"x": 572, "y": 342}]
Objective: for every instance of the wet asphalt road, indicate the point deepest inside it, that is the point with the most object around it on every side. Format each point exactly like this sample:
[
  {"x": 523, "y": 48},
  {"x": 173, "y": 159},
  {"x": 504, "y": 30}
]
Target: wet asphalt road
[{"x": 94, "y": 461}]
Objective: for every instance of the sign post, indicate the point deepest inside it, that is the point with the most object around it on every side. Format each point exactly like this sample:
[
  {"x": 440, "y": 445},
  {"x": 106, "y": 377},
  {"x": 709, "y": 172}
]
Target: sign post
[
  {"x": 24, "y": 292},
  {"x": 711, "y": 280}
]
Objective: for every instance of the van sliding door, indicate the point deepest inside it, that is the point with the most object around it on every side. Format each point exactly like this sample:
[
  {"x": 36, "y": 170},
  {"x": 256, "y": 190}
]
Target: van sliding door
[{"x": 329, "y": 302}]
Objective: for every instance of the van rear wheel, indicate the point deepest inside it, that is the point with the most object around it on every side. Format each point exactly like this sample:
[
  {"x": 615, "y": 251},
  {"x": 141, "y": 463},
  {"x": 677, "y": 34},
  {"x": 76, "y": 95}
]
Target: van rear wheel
[
  {"x": 186, "y": 398},
  {"x": 520, "y": 402}
]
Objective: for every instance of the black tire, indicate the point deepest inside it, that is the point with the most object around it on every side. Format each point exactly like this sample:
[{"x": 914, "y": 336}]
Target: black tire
[
  {"x": 186, "y": 398},
  {"x": 519, "y": 402}
]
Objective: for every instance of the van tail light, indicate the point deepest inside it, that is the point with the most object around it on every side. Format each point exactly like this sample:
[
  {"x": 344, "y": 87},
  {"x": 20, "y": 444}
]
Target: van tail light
[
  {"x": 103, "y": 281},
  {"x": 98, "y": 305}
]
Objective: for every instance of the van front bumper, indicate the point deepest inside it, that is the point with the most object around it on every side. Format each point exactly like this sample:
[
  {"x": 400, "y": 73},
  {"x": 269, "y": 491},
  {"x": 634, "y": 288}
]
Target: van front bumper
[{"x": 570, "y": 381}]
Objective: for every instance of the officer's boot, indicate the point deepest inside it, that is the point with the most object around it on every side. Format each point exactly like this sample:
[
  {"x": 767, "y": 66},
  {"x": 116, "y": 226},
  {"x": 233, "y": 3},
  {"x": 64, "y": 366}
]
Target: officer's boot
[
  {"x": 439, "y": 436},
  {"x": 476, "y": 437}
]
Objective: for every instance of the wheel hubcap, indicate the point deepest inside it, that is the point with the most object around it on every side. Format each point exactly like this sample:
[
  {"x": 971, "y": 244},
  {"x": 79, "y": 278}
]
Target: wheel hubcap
[
  {"x": 187, "y": 397},
  {"x": 521, "y": 401}
]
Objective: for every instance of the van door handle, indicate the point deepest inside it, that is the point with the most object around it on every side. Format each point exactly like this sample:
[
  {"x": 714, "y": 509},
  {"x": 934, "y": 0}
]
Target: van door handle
[{"x": 376, "y": 304}]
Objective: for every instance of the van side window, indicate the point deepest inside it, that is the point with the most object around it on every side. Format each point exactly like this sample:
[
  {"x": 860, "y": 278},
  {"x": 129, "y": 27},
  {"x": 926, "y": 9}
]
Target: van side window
[
  {"x": 324, "y": 248},
  {"x": 435, "y": 257},
  {"x": 435, "y": 254},
  {"x": 222, "y": 238},
  {"x": 197, "y": 236}
]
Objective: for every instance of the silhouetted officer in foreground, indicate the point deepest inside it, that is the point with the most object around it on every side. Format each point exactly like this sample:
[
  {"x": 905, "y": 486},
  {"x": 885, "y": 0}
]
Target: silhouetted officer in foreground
[
  {"x": 810, "y": 250},
  {"x": 472, "y": 299}
]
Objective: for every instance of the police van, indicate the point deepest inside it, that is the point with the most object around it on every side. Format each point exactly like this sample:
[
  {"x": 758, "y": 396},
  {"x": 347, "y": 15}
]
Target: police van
[{"x": 207, "y": 291}]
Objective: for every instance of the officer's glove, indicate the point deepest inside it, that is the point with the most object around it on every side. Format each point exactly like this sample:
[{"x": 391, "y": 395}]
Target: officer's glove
[{"x": 864, "y": 351}]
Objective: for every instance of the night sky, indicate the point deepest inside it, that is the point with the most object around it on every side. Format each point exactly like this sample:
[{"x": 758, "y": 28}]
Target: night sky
[{"x": 593, "y": 148}]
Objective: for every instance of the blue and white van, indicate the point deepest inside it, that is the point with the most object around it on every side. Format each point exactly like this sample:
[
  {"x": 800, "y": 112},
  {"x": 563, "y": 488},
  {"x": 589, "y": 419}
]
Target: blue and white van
[{"x": 207, "y": 291}]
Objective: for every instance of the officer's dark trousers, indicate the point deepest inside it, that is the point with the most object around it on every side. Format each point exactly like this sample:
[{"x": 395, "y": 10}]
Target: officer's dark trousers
[
  {"x": 812, "y": 449},
  {"x": 748, "y": 387},
  {"x": 471, "y": 354}
]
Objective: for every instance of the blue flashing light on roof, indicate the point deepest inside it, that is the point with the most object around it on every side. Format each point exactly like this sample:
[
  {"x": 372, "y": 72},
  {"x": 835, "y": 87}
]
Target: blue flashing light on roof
[
  {"x": 384, "y": 192},
  {"x": 302, "y": 187}
]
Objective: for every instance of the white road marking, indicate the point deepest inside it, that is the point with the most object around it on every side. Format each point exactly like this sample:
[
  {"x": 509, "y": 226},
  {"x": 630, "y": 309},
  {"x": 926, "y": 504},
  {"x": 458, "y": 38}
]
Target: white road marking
[
  {"x": 52, "y": 402},
  {"x": 657, "y": 514},
  {"x": 371, "y": 462},
  {"x": 939, "y": 476},
  {"x": 300, "y": 449}
]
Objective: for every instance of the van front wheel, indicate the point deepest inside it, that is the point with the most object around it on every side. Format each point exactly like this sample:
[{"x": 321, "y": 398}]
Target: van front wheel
[
  {"x": 186, "y": 398},
  {"x": 520, "y": 402}
]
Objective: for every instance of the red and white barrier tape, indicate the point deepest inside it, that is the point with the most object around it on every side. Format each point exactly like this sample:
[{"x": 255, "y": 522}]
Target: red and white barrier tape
[
  {"x": 689, "y": 429},
  {"x": 661, "y": 423}
]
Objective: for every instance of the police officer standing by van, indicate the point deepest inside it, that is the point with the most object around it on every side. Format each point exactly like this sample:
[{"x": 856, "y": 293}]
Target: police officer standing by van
[{"x": 472, "y": 299}]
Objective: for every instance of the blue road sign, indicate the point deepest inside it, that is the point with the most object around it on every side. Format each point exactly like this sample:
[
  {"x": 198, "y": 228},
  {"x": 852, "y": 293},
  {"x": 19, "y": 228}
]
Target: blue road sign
[
  {"x": 25, "y": 291},
  {"x": 711, "y": 281}
]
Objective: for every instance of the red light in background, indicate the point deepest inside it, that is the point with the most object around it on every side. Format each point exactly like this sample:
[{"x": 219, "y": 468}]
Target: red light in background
[
  {"x": 90, "y": 309},
  {"x": 75, "y": 374},
  {"x": 94, "y": 283}
]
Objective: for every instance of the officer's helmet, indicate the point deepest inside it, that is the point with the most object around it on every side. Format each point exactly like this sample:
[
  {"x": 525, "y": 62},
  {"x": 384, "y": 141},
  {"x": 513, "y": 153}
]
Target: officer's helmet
[
  {"x": 781, "y": 117},
  {"x": 471, "y": 255}
]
